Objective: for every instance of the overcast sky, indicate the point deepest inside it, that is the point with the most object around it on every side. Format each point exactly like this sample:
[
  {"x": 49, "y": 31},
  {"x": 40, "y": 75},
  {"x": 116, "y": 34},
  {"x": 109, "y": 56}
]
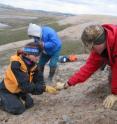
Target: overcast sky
[{"x": 106, "y": 7}]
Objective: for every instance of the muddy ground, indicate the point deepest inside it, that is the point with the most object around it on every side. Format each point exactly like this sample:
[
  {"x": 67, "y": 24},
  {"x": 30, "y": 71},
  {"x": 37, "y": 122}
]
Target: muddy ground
[{"x": 81, "y": 104}]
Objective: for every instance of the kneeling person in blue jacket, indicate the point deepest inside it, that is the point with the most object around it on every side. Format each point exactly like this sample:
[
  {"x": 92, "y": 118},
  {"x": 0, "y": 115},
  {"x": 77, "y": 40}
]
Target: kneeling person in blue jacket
[
  {"x": 21, "y": 79},
  {"x": 48, "y": 41}
]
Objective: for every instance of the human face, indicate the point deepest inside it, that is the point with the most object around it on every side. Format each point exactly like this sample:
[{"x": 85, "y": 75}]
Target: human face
[
  {"x": 89, "y": 46},
  {"x": 33, "y": 58},
  {"x": 99, "y": 48},
  {"x": 36, "y": 39}
]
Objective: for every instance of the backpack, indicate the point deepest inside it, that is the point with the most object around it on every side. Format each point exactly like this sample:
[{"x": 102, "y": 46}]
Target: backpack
[{"x": 72, "y": 58}]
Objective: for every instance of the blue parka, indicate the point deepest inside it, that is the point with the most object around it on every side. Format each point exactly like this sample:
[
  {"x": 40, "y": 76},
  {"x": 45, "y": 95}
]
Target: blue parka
[{"x": 52, "y": 43}]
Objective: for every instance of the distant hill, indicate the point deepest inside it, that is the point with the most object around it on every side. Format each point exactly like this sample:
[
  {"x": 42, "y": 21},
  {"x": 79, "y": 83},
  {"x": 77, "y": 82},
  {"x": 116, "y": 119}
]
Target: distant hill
[
  {"x": 14, "y": 22},
  {"x": 6, "y": 9},
  {"x": 17, "y": 17},
  {"x": 78, "y": 23}
]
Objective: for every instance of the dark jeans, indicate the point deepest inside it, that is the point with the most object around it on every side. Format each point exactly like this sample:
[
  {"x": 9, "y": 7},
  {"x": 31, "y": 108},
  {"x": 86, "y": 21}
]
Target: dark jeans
[{"x": 13, "y": 103}]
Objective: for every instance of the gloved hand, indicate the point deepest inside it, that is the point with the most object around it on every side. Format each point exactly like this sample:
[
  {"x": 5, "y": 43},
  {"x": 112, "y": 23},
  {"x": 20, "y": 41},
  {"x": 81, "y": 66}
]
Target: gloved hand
[
  {"x": 60, "y": 86},
  {"x": 109, "y": 101},
  {"x": 50, "y": 89}
]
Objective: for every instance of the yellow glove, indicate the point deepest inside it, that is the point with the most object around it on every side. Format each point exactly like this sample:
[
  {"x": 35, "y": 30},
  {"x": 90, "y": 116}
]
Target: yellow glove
[
  {"x": 109, "y": 101},
  {"x": 51, "y": 89},
  {"x": 60, "y": 86}
]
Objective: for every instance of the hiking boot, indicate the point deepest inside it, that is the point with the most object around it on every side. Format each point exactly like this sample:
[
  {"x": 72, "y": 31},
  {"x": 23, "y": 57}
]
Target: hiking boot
[{"x": 51, "y": 74}]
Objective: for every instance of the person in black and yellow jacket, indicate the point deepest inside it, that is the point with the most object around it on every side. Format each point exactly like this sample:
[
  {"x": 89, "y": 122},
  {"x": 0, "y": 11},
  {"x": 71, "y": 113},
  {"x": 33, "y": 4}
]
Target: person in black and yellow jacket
[{"x": 21, "y": 79}]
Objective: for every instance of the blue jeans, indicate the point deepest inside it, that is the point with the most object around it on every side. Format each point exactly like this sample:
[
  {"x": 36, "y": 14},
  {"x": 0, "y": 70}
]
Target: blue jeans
[{"x": 44, "y": 58}]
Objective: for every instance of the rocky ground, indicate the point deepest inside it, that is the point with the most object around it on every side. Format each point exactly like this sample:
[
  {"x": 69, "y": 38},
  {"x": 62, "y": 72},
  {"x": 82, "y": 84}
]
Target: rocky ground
[{"x": 81, "y": 104}]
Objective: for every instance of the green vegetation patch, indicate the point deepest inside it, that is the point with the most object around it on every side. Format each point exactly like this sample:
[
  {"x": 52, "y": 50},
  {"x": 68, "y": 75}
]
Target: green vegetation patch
[
  {"x": 20, "y": 33},
  {"x": 8, "y": 36},
  {"x": 75, "y": 47},
  {"x": 58, "y": 27}
]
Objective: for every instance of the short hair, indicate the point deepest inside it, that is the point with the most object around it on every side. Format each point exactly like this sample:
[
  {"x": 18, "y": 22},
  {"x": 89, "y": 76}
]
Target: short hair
[{"x": 93, "y": 33}]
